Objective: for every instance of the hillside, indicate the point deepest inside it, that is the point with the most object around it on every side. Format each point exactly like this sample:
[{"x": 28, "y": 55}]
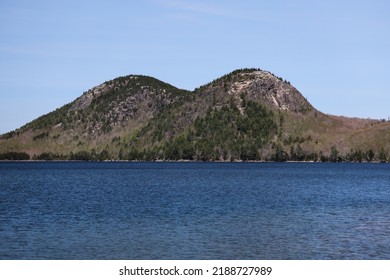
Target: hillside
[{"x": 248, "y": 114}]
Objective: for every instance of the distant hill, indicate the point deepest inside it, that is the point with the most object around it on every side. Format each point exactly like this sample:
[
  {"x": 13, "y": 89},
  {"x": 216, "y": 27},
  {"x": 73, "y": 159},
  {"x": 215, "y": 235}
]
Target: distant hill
[{"x": 248, "y": 114}]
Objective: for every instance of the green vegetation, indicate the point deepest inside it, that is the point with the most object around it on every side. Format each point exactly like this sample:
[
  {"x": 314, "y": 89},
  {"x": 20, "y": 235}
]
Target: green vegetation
[
  {"x": 226, "y": 134},
  {"x": 48, "y": 120},
  {"x": 14, "y": 156},
  {"x": 241, "y": 116},
  {"x": 222, "y": 134}
]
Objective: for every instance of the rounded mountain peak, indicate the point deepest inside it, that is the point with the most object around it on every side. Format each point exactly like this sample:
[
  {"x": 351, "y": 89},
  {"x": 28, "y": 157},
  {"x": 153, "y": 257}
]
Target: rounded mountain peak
[{"x": 260, "y": 86}]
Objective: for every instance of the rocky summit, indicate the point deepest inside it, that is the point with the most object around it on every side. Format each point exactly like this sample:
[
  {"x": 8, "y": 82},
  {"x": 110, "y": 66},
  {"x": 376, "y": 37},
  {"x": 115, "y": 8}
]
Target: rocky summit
[{"x": 248, "y": 114}]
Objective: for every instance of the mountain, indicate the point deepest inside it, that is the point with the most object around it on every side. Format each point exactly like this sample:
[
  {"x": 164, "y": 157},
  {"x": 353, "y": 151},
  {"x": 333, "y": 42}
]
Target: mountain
[{"x": 248, "y": 114}]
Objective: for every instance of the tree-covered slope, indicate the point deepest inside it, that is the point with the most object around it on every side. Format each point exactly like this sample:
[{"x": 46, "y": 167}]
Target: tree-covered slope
[{"x": 248, "y": 114}]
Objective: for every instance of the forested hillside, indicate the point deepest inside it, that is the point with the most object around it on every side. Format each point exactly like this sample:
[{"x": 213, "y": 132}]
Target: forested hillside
[{"x": 248, "y": 114}]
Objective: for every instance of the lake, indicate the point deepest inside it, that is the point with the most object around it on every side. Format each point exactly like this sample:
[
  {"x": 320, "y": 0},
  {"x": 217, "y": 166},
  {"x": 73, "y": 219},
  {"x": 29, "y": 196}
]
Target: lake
[{"x": 194, "y": 210}]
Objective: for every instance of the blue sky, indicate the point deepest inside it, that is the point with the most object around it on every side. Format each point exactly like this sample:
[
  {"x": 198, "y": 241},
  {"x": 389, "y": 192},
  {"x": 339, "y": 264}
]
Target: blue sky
[{"x": 336, "y": 53}]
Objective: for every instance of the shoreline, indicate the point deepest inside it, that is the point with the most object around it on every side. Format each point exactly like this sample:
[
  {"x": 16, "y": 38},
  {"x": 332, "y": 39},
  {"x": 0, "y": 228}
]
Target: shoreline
[{"x": 189, "y": 161}]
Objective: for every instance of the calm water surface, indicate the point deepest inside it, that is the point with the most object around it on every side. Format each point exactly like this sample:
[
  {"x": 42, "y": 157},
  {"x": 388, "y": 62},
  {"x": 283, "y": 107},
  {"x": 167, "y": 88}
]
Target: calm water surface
[{"x": 81, "y": 210}]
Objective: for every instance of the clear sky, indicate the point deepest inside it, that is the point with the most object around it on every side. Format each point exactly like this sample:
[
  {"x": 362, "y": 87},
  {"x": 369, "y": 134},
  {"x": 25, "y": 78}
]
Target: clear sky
[{"x": 335, "y": 52}]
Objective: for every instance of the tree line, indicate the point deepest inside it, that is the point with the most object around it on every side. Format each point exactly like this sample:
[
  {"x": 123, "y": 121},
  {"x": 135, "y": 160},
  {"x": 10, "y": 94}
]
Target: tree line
[
  {"x": 14, "y": 156},
  {"x": 182, "y": 149}
]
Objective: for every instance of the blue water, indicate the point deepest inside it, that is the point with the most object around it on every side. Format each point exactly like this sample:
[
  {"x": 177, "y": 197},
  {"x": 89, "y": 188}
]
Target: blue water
[{"x": 84, "y": 210}]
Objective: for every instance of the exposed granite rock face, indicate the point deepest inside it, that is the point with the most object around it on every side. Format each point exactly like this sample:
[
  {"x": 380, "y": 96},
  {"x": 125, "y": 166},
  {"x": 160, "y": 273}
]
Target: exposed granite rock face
[
  {"x": 261, "y": 86},
  {"x": 132, "y": 98},
  {"x": 124, "y": 99},
  {"x": 278, "y": 93},
  {"x": 85, "y": 100}
]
